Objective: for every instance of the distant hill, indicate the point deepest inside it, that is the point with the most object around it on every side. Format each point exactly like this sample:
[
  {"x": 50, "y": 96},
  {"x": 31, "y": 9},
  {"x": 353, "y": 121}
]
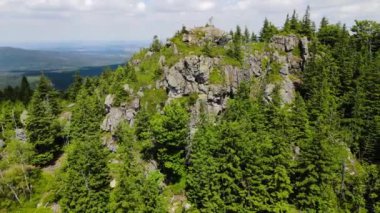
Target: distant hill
[{"x": 17, "y": 59}]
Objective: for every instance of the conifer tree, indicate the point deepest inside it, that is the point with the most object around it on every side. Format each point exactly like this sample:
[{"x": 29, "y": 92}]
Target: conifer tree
[
  {"x": 246, "y": 35},
  {"x": 87, "y": 113},
  {"x": 136, "y": 190},
  {"x": 42, "y": 127},
  {"x": 85, "y": 181},
  {"x": 74, "y": 88},
  {"x": 170, "y": 134},
  {"x": 306, "y": 24},
  {"x": 268, "y": 31},
  {"x": 294, "y": 23},
  {"x": 254, "y": 37},
  {"x": 286, "y": 27},
  {"x": 25, "y": 92}
]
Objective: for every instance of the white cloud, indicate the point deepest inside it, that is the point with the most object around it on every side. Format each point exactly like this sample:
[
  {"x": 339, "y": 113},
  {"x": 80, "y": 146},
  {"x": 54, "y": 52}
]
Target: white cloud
[
  {"x": 141, "y": 6},
  {"x": 206, "y": 5},
  {"x": 140, "y": 19}
]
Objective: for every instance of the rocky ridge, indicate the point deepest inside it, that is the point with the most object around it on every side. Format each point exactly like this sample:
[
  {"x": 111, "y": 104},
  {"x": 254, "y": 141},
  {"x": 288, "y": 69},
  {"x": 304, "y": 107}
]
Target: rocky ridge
[{"x": 284, "y": 57}]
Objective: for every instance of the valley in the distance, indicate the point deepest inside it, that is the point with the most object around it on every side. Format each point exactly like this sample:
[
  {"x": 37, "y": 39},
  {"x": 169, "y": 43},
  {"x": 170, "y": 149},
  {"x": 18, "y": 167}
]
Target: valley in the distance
[{"x": 60, "y": 61}]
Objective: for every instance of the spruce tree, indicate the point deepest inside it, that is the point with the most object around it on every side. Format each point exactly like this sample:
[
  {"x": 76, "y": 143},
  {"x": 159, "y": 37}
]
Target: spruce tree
[
  {"x": 85, "y": 181},
  {"x": 294, "y": 23},
  {"x": 246, "y": 35},
  {"x": 286, "y": 27},
  {"x": 87, "y": 114},
  {"x": 136, "y": 190},
  {"x": 42, "y": 127},
  {"x": 25, "y": 92},
  {"x": 170, "y": 134},
  {"x": 268, "y": 31},
  {"x": 306, "y": 24}
]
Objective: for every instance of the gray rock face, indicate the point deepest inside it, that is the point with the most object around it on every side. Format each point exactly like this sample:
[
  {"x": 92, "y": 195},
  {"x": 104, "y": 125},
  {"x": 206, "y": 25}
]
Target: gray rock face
[
  {"x": 113, "y": 118},
  {"x": 192, "y": 73},
  {"x": 128, "y": 89},
  {"x": 2, "y": 143},
  {"x": 108, "y": 102},
  {"x": 126, "y": 112},
  {"x": 110, "y": 143},
  {"x": 20, "y": 135},
  {"x": 269, "y": 88},
  {"x": 285, "y": 43},
  {"x": 287, "y": 91},
  {"x": 161, "y": 61},
  {"x": 189, "y": 75},
  {"x": 288, "y": 44}
]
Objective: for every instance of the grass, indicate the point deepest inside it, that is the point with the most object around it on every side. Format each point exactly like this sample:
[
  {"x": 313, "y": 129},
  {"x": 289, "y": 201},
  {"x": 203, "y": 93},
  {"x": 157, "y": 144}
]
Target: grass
[
  {"x": 216, "y": 76},
  {"x": 296, "y": 51},
  {"x": 152, "y": 98},
  {"x": 259, "y": 46},
  {"x": 274, "y": 75},
  {"x": 43, "y": 194}
]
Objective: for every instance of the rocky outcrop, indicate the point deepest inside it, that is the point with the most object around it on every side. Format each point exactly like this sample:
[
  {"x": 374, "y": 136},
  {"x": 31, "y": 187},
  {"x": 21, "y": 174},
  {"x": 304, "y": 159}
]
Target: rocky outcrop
[
  {"x": 189, "y": 75},
  {"x": 202, "y": 35},
  {"x": 192, "y": 73},
  {"x": 115, "y": 115},
  {"x": 289, "y": 44}
]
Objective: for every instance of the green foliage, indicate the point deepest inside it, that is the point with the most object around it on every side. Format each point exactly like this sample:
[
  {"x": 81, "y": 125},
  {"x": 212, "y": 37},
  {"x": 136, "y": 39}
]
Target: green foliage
[
  {"x": 85, "y": 178},
  {"x": 86, "y": 115},
  {"x": 268, "y": 31},
  {"x": 156, "y": 45},
  {"x": 42, "y": 126},
  {"x": 152, "y": 99},
  {"x": 17, "y": 176},
  {"x": 216, "y": 76},
  {"x": 137, "y": 190},
  {"x": 274, "y": 75},
  {"x": 170, "y": 134},
  {"x": 317, "y": 154},
  {"x": 71, "y": 92}
]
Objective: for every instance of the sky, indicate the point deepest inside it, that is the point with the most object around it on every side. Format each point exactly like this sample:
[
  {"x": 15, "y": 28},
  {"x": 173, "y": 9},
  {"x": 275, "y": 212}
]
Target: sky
[{"x": 127, "y": 20}]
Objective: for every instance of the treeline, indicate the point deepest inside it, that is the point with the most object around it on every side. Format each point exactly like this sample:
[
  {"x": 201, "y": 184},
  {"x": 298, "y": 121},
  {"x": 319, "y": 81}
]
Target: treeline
[{"x": 21, "y": 93}]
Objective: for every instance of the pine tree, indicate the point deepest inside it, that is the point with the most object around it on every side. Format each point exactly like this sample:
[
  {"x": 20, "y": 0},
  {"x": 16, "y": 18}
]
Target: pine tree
[
  {"x": 25, "y": 92},
  {"x": 42, "y": 127},
  {"x": 170, "y": 133},
  {"x": 73, "y": 89},
  {"x": 254, "y": 37},
  {"x": 202, "y": 186},
  {"x": 156, "y": 45},
  {"x": 246, "y": 35},
  {"x": 268, "y": 31},
  {"x": 294, "y": 23},
  {"x": 87, "y": 113},
  {"x": 136, "y": 190},
  {"x": 286, "y": 27},
  {"x": 85, "y": 181},
  {"x": 306, "y": 24}
]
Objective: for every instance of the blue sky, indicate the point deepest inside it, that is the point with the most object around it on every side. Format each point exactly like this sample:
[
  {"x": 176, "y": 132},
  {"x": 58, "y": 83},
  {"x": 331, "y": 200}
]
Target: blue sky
[{"x": 107, "y": 20}]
